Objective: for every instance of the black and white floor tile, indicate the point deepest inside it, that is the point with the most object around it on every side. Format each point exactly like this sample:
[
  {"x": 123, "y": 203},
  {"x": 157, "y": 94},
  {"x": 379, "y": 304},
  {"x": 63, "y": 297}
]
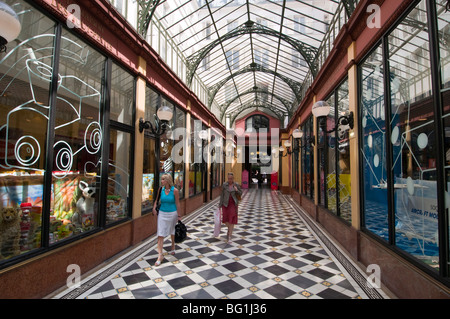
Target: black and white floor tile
[{"x": 275, "y": 253}]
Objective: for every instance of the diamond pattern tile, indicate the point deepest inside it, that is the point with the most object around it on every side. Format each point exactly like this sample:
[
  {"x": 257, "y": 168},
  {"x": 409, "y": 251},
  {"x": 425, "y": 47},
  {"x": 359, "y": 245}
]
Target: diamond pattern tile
[{"x": 273, "y": 255}]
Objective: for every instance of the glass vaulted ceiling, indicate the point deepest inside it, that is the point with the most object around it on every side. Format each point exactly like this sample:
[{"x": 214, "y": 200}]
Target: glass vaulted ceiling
[{"x": 250, "y": 54}]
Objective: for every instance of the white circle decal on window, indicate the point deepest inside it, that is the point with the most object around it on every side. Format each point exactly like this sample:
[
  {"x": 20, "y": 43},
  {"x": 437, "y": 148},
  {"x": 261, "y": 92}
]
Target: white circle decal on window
[
  {"x": 376, "y": 160},
  {"x": 422, "y": 141},
  {"x": 395, "y": 134},
  {"x": 410, "y": 186},
  {"x": 370, "y": 141}
]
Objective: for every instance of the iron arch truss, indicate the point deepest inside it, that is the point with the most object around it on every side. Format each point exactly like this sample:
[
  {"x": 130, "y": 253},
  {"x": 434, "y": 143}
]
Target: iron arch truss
[
  {"x": 308, "y": 52},
  {"x": 286, "y": 103},
  {"x": 254, "y": 67}
]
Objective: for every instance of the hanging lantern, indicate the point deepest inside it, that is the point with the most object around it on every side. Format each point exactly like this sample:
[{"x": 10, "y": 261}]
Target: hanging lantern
[{"x": 9, "y": 25}]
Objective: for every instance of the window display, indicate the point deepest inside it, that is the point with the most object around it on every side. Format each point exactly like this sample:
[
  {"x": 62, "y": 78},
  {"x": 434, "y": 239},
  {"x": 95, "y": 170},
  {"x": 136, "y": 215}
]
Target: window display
[
  {"x": 78, "y": 140},
  {"x": 148, "y": 177},
  {"x": 373, "y": 148},
  {"x": 25, "y": 77},
  {"x": 117, "y": 203},
  {"x": 413, "y": 138},
  {"x": 399, "y": 140}
]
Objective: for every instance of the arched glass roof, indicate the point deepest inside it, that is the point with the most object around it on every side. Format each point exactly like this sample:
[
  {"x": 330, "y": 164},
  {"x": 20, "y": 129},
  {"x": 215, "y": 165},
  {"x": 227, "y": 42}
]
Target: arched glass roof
[{"x": 249, "y": 53}]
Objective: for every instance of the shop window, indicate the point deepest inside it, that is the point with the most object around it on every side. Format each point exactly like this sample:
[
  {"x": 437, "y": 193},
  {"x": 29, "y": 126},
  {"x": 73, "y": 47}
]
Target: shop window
[
  {"x": 334, "y": 157},
  {"x": 443, "y": 24},
  {"x": 25, "y": 77},
  {"x": 330, "y": 166},
  {"x": 373, "y": 147},
  {"x": 118, "y": 196},
  {"x": 148, "y": 177},
  {"x": 400, "y": 193},
  {"x": 180, "y": 122},
  {"x": 343, "y": 155},
  {"x": 308, "y": 159},
  {"x": 166, "y": 165},
  {"x": 78, "y": 140},
  {"x": 413, "y": 138},
  {"x": 122, "y": 95},
  {"x": 196, "y": 164},
  {"x": 295, "y": 158}
]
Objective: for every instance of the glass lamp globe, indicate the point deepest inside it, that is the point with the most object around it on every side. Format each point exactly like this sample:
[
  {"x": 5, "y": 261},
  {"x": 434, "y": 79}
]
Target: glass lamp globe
[
  {"x": 165, "y": 113},
  {"x": 297, "y": 134},
  {"x": 9, "y": 25},
  {"x": 321, "y": 109}
]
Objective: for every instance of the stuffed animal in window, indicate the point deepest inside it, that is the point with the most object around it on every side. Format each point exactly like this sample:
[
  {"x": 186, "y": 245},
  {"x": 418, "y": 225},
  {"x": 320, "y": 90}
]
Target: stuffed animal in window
[
  {"x": 85, "y": 206},
  {"x": 9, "y": 232}
]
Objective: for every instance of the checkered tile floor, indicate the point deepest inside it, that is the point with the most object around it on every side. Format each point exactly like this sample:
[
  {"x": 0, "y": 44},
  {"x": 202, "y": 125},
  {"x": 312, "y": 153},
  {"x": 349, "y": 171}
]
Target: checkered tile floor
[{"x": 274, "y": 254}]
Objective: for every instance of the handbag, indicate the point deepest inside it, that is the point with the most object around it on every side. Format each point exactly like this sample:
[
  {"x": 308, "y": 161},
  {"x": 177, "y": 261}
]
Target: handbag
[
  {"x": 180, "y": 232},
  {"x": 238, "y": 196},
  {"x": 217, "y": 223}
]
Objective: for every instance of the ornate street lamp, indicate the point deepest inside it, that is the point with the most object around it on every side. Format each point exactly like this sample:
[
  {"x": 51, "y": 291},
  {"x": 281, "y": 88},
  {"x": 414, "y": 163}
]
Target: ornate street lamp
[{"x": 163, "y": 116}]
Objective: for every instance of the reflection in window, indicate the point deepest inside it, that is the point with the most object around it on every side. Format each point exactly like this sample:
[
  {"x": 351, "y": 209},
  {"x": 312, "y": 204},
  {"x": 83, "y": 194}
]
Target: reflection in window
[
  {"x": 373, "y": 149},
  {"x": 343, "y": 151},
  {"x": 413, "y": 138},
  {"x": 308, "y": 159},
  {"x": 148, "y": 176},
  {"x": 25, "y": 76},
  {"x": 78, "y": 139},
  {"x": 331, "y": 178},
  {"x": 443, "y": 23},
  {"x": 122, "y": 95},
  {"x": 118, "y": 176}
]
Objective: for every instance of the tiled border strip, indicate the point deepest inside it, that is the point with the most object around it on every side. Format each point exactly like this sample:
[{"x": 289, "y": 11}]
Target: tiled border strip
[
  {"x": 353, "y": 270},
  {"x": 98, "y": 276}
]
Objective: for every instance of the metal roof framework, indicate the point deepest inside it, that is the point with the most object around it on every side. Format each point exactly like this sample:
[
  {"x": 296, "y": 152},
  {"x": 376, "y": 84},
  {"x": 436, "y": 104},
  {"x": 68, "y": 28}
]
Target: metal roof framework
[{"x": 250, "y": 54}]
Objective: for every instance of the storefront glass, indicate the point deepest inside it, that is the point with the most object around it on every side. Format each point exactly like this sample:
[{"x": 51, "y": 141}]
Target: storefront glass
[
  {"x": 400, "y": 196},
  {"x": 148, "y": 177},
  {"x": 343, "y": 151},
  {"x": 25, "y": 77},
  {"x": 166, "y": 165},
  {"x": 308, "y": 159},
  {"x": 195, "y": 172},
  {"x": 120, "y": 147},
  {"x": 117, "y": 204},
  {"x": 443, "y": 23},
  {"x": 78, "y": 139},
  {"x": 413, "y": 138},
  {"x": 331, "y": 180},
  {"x": 373, "y": 145},
  {"x": 178, "y": 179},
  {"x": 122, "y": 95}
]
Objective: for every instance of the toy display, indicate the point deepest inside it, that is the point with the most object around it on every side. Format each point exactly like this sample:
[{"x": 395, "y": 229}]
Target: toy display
[{"x": 10, "y": 232}]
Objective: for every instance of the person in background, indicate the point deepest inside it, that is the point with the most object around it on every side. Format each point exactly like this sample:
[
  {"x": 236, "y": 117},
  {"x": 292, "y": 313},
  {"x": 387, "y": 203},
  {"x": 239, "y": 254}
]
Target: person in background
[
  {"x": 228, "y": 204},
  {"x": 168, "y": 214}
]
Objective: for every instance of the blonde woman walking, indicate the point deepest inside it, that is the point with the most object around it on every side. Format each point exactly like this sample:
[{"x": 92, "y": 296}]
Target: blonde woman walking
[
  {"x": 168, "y": 214},
  {"x": 228, "y": 204}
]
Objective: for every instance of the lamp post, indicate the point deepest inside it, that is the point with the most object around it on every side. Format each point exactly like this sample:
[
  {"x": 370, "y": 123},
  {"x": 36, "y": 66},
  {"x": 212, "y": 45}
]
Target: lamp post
[
  {"x": 9, "y": 25},
  {"x": 164, "y": 115},
  {"x": 321, "y": 109}
]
